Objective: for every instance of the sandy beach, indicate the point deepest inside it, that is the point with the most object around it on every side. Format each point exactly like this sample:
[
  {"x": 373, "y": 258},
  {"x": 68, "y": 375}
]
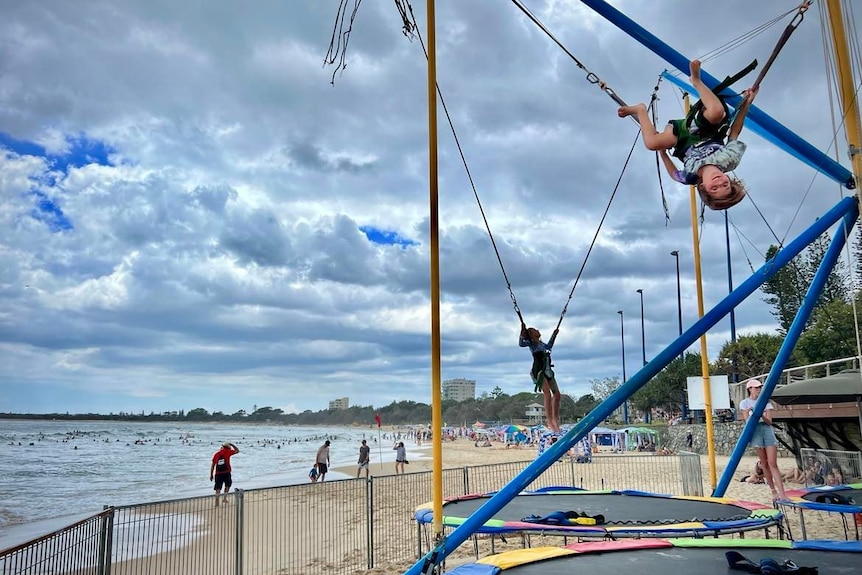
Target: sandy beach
[{"x": 321, "y": 527}]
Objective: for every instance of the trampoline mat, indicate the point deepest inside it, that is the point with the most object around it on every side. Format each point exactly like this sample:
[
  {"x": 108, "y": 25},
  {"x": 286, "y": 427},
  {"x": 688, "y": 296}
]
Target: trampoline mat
[
  {"x": 617, "y": 508},
  {"x": 855, "y": 495},
  {"x": 709, "y": 561}
]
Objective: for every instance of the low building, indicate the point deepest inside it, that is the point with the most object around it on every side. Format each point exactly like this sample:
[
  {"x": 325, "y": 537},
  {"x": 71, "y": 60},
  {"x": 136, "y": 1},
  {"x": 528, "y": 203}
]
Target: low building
[
  {"x": 459, "y": 389},
  {"x": 535, "y": 413},
  {"x": 340, "y": 403}
]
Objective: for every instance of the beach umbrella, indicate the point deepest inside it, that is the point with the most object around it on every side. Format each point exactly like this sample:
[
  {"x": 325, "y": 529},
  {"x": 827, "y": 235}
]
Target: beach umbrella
[
  {"x": 479, "y": 424},
  {"x": 515, "y": 428}
]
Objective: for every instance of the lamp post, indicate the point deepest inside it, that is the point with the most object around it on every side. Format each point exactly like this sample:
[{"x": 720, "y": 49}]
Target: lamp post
[
  {"x": 734, "y": 365},
  {"x": 643, "y": 346},
  {"x": 643, "y": 333},
  {"x": 623, "y": 342},
  {"x": 675, "y": 254}
]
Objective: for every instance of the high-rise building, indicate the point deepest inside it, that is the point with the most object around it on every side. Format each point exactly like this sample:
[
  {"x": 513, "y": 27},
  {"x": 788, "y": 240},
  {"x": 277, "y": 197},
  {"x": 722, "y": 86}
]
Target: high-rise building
[
  {"x": 340, "y": 403},
  {"x": 459, "y": 389}
]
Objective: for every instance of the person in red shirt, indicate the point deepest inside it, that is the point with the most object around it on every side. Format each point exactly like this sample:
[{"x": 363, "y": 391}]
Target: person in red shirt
[{"x": 220, "y": 469}]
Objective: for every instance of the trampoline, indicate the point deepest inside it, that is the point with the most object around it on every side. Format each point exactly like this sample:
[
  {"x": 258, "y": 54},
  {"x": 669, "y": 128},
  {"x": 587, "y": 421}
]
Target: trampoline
[
  {"x": 624, "y": 514},
  {"x": 647, "y": 556},
  {"x": 845, "y": 500}
]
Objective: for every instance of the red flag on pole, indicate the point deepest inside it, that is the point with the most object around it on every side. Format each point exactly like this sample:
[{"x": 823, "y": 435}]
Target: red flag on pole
[{"x": 377, "y": 419}]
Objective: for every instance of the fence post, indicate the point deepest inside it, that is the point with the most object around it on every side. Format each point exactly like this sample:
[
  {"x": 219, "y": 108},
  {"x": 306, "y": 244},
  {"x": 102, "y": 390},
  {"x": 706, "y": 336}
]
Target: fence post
[
  {"x": 106, "y": 541},
  {"x": 238, "y": 563},
  {"x": 369, "y": 520},
  {"x": 466, "y": 480}
]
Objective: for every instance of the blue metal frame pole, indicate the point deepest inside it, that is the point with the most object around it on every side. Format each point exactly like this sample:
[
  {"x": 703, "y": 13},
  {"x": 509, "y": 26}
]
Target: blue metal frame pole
[
  {"x": 806, "y": 151},
  {"x": 521, "y": 481},
  {"x": 808, "y": 304}
]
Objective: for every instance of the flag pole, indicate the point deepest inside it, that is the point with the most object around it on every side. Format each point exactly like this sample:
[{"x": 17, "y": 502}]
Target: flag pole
[{"x": 379, "y": 439}]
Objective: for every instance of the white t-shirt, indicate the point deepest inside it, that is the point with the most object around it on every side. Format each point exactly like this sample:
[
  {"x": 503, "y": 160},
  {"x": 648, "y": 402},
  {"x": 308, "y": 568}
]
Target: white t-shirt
[{"x": 747, "y": 404}]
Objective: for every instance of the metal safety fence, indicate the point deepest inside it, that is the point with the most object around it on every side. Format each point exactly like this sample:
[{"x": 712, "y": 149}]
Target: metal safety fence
[{"x": 344, "y": 526}]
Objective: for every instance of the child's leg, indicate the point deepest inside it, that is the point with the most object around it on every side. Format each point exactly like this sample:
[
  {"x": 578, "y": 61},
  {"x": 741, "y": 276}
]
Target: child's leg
[
  {"x": 549, "y": 415},
  {"x": 653, "y": 140},
  {"x": 556, "y": 404},
  {"x": 713, "y": 111}
]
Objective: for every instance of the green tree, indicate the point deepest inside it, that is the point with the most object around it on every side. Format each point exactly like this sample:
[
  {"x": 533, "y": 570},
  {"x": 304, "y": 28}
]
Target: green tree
[
  {"x": 197, "y": 414},
  {"x": 786, "y": 289},
  {"x": 832, "y": 334},
  {"x": 584, "y": 405},
  {"x": 754, "y": 355},
  {"x": 667, "y": 389}
]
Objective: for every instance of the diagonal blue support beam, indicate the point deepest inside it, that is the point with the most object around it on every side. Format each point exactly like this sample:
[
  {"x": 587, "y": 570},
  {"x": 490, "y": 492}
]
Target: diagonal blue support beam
[
  {"x": 521, "y": 481},
  {"x": 793, "y": 333},
  {"x": 815, "y": 157}
]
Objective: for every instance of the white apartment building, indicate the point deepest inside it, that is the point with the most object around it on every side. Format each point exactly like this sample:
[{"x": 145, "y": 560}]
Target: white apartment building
[
  {"x": 340, "y": 403},
  {"x": 459, "y": 389}
]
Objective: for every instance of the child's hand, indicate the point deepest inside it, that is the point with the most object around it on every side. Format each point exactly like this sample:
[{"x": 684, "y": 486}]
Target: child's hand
[{"x": 749, "y": 93}]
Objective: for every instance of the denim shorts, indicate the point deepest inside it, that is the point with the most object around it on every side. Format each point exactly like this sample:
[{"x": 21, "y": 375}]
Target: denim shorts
[{"x": 763, "y": 436}]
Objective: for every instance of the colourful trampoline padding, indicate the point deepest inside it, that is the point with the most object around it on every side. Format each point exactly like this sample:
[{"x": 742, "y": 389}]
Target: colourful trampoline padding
[
  {"x": 626, "y": 513},
  {"x": 807, "y": 498},
  {"x": 703, "y": 556}
]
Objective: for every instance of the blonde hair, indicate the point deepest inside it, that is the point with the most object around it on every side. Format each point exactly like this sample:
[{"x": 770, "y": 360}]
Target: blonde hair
[{"x": 737, "y": 193}]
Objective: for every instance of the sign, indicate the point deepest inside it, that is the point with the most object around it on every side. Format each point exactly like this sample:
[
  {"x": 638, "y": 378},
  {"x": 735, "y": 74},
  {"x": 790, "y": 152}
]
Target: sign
[{"x": 719, "y": 392}]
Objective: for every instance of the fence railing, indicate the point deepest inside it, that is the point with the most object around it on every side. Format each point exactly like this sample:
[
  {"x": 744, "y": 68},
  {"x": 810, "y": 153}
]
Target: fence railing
[
  {"x": 830, "y": 466},
  {"x": 332, "y": 527}
]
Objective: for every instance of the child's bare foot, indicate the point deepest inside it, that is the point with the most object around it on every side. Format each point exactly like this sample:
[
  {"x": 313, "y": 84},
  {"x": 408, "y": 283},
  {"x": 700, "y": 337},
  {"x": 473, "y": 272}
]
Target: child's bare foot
[
  {"x": 626, "y": 111},
  {"x": 694, "y": 70}
]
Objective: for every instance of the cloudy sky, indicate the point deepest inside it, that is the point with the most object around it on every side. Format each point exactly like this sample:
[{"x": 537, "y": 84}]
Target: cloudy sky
[{"x": 193, "y": 215}]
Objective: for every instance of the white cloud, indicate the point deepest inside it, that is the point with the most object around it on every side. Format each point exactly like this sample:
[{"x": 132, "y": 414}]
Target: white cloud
[{"x": 219, "y": 262}]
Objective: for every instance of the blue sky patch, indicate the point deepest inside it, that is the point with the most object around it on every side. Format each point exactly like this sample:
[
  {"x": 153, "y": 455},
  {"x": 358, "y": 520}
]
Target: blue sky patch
[
  {"x": 82, "y": 151},
  {"x": 385, "y": 237},
  {"x": 48, "y": 212}
]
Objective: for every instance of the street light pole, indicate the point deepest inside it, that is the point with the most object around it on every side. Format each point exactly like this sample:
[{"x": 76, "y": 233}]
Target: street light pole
[
  {"x": 643, "y": 333},
  {"x": 733, "y": 362},
  {"x": 643, "y": 346},
  {"x": 675, "y": 254},
  {"x": 623, "y": 342}
]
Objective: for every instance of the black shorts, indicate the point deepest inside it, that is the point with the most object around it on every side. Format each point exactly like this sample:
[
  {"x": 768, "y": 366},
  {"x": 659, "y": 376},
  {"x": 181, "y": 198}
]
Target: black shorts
[
  {"x": 223, "y": 479},
  {"x": 321, "y": 468}
]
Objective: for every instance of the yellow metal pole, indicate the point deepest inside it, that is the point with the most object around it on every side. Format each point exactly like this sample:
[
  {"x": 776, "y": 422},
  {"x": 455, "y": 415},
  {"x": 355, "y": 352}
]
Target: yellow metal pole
[
  {"x": 704, "y": 357},
  {"x": 849, "y": 104},
  {"x": 436, "y": 400}
]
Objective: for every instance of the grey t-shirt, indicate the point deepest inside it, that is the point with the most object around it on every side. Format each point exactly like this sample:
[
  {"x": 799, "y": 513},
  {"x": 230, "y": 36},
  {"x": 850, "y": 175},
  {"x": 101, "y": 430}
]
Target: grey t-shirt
[{"x": 725, "y": 157}]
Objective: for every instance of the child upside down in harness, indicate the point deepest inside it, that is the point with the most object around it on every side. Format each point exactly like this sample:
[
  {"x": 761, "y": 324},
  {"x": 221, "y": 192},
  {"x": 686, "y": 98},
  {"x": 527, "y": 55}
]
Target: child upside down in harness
[
  {"x": 699, "y": 143},
  {"x": 542, "y": 374}
]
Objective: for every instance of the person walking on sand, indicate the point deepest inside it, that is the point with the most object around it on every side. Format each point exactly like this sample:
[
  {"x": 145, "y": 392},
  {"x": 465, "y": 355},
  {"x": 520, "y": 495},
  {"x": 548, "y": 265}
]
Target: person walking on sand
[
  {"x": 400, "y": 457},
  {"x": 220, "y": 469},
  {"x": 322, "y": 460},
  {"x": 364, "y": 459},
  {"x": 763, "y": 439}
]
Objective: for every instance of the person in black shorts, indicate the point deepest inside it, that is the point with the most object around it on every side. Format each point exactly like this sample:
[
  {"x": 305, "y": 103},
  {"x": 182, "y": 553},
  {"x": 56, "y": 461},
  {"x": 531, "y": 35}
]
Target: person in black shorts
[
  {"x": 220, "y": 469},
  {"x": 322, "y": 460}
]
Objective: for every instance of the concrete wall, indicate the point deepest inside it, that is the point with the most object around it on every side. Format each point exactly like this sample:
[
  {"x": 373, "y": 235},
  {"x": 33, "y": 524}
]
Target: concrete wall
[{"x": 726, "y": 436}]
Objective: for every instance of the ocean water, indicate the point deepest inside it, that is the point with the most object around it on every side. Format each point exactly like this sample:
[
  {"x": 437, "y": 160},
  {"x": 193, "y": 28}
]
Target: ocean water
[{"x": 54, "y": 472}]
